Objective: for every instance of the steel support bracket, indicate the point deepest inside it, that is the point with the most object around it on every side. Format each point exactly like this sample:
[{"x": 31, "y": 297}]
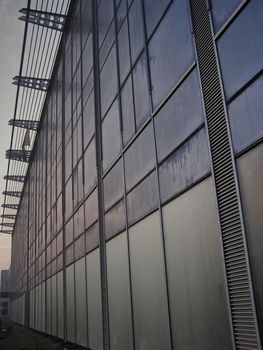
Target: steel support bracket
[
  {"x": 25, "y": 124},
  {"x": 19, "y": 155},
  {"x": 44, "y": 19},
  {"x": 31, "y": 82}
]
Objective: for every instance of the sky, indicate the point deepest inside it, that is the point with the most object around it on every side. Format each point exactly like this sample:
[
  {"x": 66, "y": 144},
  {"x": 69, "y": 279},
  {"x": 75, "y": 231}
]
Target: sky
[{"x": 11, "y": 37}]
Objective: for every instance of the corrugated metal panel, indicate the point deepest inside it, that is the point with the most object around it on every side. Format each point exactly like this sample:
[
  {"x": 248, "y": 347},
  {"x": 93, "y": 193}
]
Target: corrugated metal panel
[{"x": 241, "y": 299}]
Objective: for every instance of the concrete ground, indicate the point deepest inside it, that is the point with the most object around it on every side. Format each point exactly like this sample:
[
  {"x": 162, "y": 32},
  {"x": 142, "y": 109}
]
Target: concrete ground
[{"x": 14, "y": 337}]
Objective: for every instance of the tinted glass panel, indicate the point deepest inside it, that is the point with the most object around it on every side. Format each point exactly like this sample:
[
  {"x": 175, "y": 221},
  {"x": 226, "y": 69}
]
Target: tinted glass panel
[
  {"x": 105, "y": 15},
  {"x": 139, "y": 158},
  {"x": 179, "y": 117},
  {"x": 115, "y": 220},
  {"x": 88, "y": 120},
  {"x": 246, "y": 116},
  {"x": 91, "y": 209},
  {"x": 195, "y": 271},
  {"x": 111, "y": 137},
  {"x": 90, "y": 170},
  {"x": 171, "y": 50},
  {"x": 136, "y": 29},
  {"x": 141, "y": 91},
  {"x": 153, "y": 12},
  {"x": 113, "y": 185},
  {"x": 150, "y": 308},
  {"x": 124, "y": 51},
  {"x": 119, "y": 293},
  {"x": 143, "y": 199},
  {"x": 108, "y": 81},
  {"x": 242, "y": 59},
  {"x": 128, "y": 125},
  {"x": 188, "y": 164},
  {"x": 60, "y": 304},
  {"x": 221, "y": 13}
]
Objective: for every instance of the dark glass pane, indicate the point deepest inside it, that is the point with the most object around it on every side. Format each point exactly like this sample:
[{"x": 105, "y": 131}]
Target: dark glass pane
[
  {"x": 60, "y": 242},
  {"x": 143, "y": 199},
  {"x": 242, "y": 59},
  {"x": 87, "y": 59},
  {"x": 124, "y": 51},
  {"x": 115, "y": 220},
  {"x": 141, "y": 91},
  {"x": 246, "y": 116},
  {"x": 179, "y": 117},
  {"x": 79, "y": 247},
  {"x": 69, "y": 232},
  {"x": 113, "y": 185},
  {"x": 195, "y": 269},
  {"x": 69, "y": 254},
  {"x": 88, "y": 120},
  {"x": 188, "y": 164},
  {"x": 140, "y": 158},
  {"x": 90, "y": 170},
  {"x": 91, "y": 209},
  {"x": 171, "y": 50},
  {"x": 136, "y": 29},
  {"x": 121, "y": 13},
  {"x": 69, "y": 199},
  {"x": 108, "y": 81},
  {"x": 105, "y": 15},
  {"x": 107, "y": 44},
  {"x": 79, "y": 222},
  {"x": 153, "y": 13},
  {"x": 92, "y": 237},
  {"x": 221, "y": 12},
  {"x": 86, "y": 8},
  {"x": 127, "y": 111},
  {"x": 250, "y": 171},
  {"x": 111, "y": 136}
]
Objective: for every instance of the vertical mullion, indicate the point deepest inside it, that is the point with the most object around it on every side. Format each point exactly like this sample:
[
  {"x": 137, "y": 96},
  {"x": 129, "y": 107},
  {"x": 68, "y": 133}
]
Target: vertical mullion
[{"x": 98, "y": 141}]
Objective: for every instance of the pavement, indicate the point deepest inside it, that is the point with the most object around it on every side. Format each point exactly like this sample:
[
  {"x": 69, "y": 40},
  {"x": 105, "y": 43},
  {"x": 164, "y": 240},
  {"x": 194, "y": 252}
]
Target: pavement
[{"x": 14, "y": 337}]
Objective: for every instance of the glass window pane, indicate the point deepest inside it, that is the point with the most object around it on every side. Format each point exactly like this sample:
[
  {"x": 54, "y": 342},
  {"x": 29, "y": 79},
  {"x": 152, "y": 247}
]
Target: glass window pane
[
  {"x": 195, "y": 271},
  {"x": 90, "y": 169},
  {"x": 79, "y": 247},
  {"x": 94, "y": 301},
  {"x": 108, "y": 81},
  {"x": 151, "y": 323},
  {"x": 246, "y": 116},
  {"x": 140, "y": 157},
  {"x": 136, "y": 29},
  {"x": 250, "y": 170},
  {"x": 222, "y": 13},
  {"x": 113, "y": 185},
  {"x": 124, "y": 51},
  {"x": 127, "y": 106},
  {"x": 184, "y": 167},
  {"x": 153, "y": 12},
  {"x": 88, "y": 120},
  {"x": 179, "y": 117},
  {"x": 143, "y": 199},
  {"x": 121, "y": 13},
  {"x": 171, "y": 50},
  {"x": 105, "y": 15},
  {"x": 81, "y": 307},
  {"x": 111, "y": 137},
  {"x": 115, "y": 220},
  {"x": 242, "y": 59},
  {"x": 91, "y": 209},
  {"x": 54, "y": 305},
  {"x": 92, "y": 237},
  {"x": 141, "y": 91},
  {"x": 107, "y": 44},
  {"x": 119, "y": 293},
  {"x": 79, "y": 222}
]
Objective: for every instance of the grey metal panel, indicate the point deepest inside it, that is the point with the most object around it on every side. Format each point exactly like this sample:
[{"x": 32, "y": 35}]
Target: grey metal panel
[
  {"x": 250, "y": 171},
  {"x": 150, "y": 307},
  {"x": 195, "y": 271},
  {"x": 81, "y": 308},
  {"x": 241, "y": 298},
  {"x": 119, "y": 293}
]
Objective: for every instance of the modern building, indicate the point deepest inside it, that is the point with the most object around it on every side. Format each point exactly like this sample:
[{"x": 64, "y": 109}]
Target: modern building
[
  {"x": 5, "y": 281},
  {"x": 140, "y": 220}
]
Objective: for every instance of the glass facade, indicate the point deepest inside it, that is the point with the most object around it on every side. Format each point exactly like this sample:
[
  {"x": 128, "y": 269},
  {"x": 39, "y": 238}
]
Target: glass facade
[{"x": 117, "y": 243}]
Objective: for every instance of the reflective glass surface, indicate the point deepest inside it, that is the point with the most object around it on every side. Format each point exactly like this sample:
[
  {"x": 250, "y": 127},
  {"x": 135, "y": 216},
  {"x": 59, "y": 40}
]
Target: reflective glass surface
[{"x": 171, "y": 50}]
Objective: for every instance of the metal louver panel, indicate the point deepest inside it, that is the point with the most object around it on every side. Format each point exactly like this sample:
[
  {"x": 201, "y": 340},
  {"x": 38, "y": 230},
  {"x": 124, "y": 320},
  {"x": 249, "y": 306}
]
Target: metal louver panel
[{"x": 241, "y": 300}]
